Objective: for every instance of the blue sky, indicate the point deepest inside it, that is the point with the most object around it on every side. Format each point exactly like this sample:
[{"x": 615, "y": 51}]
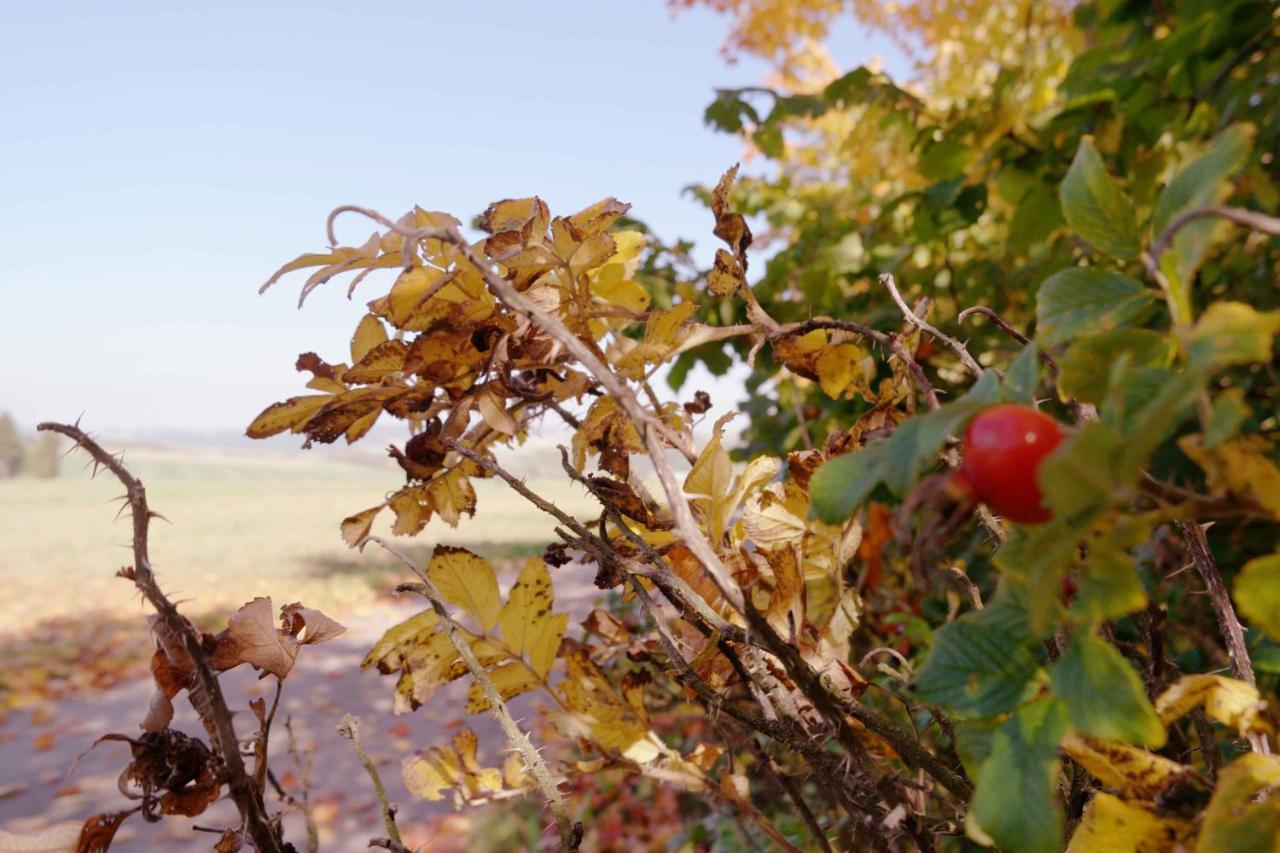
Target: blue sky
[{"x": 159, "y": 160}]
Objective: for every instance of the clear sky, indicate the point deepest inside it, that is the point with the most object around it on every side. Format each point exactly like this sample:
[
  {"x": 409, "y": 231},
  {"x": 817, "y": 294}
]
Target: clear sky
[{"x": 158, "y": 160}]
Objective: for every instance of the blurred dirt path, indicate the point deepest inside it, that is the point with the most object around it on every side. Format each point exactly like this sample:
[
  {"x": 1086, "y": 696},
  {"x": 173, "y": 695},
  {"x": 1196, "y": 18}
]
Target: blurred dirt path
[{"x": 39, "y": 745}]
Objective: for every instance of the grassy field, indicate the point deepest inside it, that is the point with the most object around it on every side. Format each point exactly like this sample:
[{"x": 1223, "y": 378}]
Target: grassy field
[{"x": 238, "y": 526}]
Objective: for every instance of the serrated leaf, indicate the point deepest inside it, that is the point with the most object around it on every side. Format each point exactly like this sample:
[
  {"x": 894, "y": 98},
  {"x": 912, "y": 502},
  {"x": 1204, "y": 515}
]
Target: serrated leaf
[
  {"x": 1013, "y": 801},
  {"x": 526, "y": 621},
  {"x": 1087, "y": 299},
  {"x": 388, "y": 654},
  {"x": 292, "y": 414},
  {"x": 1104, "y": 696},
  {"x": 467, "y": 580},
  {"x": 1096, "y": 208},
  {"x": 980, "y": 664},
  {"x": 377, "y": 363},
  {"x": 511, "y": 679}
]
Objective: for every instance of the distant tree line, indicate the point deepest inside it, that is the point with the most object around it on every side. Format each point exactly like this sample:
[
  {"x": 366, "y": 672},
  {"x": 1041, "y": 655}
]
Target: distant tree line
[{"x": 35, "y": 457}]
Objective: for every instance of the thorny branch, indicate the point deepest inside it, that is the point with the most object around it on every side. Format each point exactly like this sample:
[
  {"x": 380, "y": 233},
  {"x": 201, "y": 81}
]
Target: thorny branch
[
  {"x": 1232, "y": 630},
  {"x": 213, "y": 710},
  {"x": 919, "y": 322}
]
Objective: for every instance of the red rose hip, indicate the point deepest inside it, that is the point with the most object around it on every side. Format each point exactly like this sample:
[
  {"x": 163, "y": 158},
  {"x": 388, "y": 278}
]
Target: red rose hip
[{"x": 1003, "y": 449}]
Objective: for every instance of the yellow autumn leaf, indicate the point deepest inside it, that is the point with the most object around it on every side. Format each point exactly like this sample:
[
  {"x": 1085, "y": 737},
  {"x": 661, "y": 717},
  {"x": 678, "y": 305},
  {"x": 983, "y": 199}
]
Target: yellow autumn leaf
[
  {"x": 412, "y": 288},
  {"x": 511, "y": 679},
  {"x": 388, "y": 654},
  {"x": 369, "y": 333},
  {"x": 1111, "y": 824},
  {"x": 452, "y": 496},
  {"x": 377, "y": 363},
  {"x": 1230, "y": 701},
  {"x": 840, "y": 369},
  {"x": 526, "y": 621},
  {"x": 1134, "y": 773},
  {"x": 453, "y": 767},
  {"x": 467, "y": 580},
  {"x": 292, "y": 414},
  {"x": 1240, "y": 467},
  {"x": 412, "y": 508}
]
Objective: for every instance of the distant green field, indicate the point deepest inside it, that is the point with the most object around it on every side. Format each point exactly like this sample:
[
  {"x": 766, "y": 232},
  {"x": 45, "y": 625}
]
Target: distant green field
[{"x": 237, "y": 527}]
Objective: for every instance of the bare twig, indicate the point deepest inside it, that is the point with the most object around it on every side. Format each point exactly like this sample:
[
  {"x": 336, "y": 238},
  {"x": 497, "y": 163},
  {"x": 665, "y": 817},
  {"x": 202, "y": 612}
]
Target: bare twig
[
  {"x": 920, "y": 323},
  {"x": 349, "y": 728},
  {"x": 212, "y": 707},
  {"x": 1002, "y": 324},
  {"x": 570, "y": 833}
]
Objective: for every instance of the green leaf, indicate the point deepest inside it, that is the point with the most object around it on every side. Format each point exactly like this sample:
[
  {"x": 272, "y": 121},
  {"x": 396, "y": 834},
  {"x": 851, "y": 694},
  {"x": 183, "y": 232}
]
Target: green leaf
[
  {"x": 1079, "y": 478},
  {"x": 1233, "y": 333},
  {"x": 1014, "y": 801},
  {"x": 727, "y": 111},
  {"x": 980, "y": 664},
  {"x": 1109, "y": 586},
  {"x": 1202, "y": 182},
  {"x": 1095, "y": 207},
  {"x": 1154, "y": 421},
  {"x": 973, "y": 741},
  {"x": 1085, "y": 368},
  {"x": 841, "y": 485},
  {"x": 1038, "y": 214},
  {"x": 1257, "y": 594},
  {"x": 1228, "y": 413},
  {"x": 1103, "y": 693},
  {"x": 1023, "y": 376},
  {"x": 945, "y": 160},
  {"x": 1086, "y": 299}
]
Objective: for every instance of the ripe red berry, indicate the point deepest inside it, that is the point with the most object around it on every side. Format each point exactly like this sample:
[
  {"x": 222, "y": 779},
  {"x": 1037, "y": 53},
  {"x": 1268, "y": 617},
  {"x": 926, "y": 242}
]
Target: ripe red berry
[{"x": 1003, "y": 449}]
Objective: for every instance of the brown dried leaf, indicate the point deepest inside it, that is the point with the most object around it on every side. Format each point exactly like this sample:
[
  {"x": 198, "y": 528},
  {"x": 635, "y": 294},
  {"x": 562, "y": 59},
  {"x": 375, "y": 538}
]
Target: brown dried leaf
[
  {"x": 95, "y": 835},
  {"x": 730, "y": 227},
  {"x": 252, "y": 637},
  {"x": 318, "y": 627}
]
